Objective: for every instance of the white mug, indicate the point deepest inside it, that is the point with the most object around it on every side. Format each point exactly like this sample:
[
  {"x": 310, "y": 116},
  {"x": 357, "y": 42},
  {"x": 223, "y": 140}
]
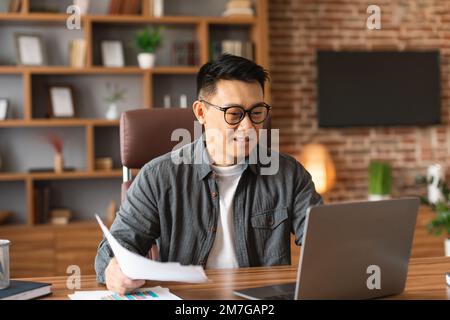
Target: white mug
[{"x": 4, "y": 264}]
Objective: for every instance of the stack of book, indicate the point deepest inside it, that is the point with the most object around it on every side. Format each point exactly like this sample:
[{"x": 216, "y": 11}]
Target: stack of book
[
  {"x": 42, "y": 204},
  {"x": 60, "y": 216},
  {"x": 78, "y": 53},
  {"x": 185, "y": 53},
  {"x": 124, "y": 7},
  {"x": 239, "y": 8},
  {"x": 103, "y": 164},
  {"x": 25, "y": 290},
  {"x": 234, "y": 47}
]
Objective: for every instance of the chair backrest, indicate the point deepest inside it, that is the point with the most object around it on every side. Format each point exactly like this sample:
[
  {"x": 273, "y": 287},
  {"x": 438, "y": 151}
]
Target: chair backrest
[{"x": 146, "y": 134}]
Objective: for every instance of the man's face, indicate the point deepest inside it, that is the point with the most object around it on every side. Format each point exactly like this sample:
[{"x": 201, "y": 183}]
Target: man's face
[{"x": 225, "y": 142}]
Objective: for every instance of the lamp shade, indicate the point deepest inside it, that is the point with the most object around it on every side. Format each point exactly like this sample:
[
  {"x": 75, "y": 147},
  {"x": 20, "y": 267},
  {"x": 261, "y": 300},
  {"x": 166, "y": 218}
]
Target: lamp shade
[{"x": 317, "y": 161}]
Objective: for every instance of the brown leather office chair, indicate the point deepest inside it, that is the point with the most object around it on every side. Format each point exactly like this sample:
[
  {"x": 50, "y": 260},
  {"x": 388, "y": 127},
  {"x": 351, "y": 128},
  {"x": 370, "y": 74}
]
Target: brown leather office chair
[{"x": 146, "y": 134}]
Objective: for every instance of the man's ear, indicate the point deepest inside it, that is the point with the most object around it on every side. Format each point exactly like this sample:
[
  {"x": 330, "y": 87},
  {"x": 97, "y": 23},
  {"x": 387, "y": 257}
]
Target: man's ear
[{"x": 199, "y": 111}]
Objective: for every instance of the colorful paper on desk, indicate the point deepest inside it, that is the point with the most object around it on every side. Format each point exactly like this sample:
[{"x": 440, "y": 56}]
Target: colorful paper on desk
[
  {"x": 156, "y": 293},
  {"x": 137, "y": 267}
]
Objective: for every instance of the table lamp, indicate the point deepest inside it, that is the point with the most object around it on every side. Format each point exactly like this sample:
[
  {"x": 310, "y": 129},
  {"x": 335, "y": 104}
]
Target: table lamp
[{"x": 317, "y": 161}]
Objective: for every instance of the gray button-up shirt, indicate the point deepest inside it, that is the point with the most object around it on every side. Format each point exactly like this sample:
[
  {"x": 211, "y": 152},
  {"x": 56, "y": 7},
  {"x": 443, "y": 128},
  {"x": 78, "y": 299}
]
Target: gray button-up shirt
[{"x": 174, "y": 199}]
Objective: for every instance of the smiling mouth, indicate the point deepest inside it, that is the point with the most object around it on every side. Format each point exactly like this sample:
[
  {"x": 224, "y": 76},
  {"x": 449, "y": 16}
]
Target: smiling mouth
[{"x": 242, "y": 139}]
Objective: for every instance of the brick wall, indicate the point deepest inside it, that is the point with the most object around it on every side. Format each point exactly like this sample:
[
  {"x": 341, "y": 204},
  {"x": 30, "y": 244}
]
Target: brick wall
[{"x": 297, "y": 28}]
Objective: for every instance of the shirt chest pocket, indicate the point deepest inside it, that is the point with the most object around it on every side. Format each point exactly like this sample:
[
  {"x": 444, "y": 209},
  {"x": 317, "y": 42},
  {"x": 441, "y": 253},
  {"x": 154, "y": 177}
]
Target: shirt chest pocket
[
  {"x": 269, "y": 219},
  {"x": 270, "y": 236}
]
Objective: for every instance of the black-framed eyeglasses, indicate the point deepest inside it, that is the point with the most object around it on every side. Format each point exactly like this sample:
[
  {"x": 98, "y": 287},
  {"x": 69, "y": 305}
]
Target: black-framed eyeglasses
[{"x": 234, "y": 114}]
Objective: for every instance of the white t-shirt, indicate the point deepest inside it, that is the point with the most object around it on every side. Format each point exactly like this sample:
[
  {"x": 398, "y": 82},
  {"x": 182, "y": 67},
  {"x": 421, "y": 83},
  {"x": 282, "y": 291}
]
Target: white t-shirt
[{"x": 223, "y": 252}]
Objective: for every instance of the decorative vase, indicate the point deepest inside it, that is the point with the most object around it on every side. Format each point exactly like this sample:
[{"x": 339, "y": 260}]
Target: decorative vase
[
  {"x": 158, "y": 8},
  {"x": 59, "y": 162},
  {"x": 378, "y": 197},
  {"x": 112, "y": 113},
  {"x": 83, "y": 5},
  {"x": 380, "y": 180},
  {"x": 435, "y": 173},
  {"x": 146, "y": 60},
  {"x": 447, "y": 247}
]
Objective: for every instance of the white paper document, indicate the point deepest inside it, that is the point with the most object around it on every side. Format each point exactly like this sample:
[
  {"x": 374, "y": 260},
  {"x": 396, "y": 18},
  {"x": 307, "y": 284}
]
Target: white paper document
[
  {"x": 137, "y": 267},
  {"x": 155, "y": 293}
]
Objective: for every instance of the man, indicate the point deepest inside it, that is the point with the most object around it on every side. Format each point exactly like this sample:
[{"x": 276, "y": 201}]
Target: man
[{"x": 222, "y": 211}]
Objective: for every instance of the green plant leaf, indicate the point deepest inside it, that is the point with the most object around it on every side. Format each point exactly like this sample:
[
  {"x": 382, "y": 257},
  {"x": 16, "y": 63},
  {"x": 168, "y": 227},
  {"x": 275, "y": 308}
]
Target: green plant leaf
[
  {"x": 380, "y": 178},
  {"x": 148, "y": 40}
]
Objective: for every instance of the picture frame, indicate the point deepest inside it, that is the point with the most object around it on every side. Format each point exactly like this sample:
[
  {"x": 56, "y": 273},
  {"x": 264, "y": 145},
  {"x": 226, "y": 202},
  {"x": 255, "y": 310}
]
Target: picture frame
[
  {"x": 112, "y": 54},
  {"x": 30, "y": 49},
  {"x": 4, "y": 106},
  {"x": 62, "y": 102}
]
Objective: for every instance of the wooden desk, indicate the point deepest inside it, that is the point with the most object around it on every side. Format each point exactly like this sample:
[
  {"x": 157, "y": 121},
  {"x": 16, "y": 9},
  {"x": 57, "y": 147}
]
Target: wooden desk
[
  {"x": 426, "y": 280},
  {"x": 44, "y": 251}
]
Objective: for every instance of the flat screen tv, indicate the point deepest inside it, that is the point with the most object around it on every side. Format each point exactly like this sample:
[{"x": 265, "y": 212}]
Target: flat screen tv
[{"x": 359, "y": 89}]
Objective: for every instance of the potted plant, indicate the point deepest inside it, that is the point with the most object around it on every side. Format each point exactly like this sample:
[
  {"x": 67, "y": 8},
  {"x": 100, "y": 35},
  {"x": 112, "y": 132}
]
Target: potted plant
[
  {"x": 116, "y": 95},
  {"x": 147, "y": 41},
  {"x": 441, "y": 222},
  {"x": 380, "y": 180}
]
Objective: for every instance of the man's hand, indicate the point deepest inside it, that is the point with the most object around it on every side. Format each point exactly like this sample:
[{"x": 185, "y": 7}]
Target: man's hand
[{"x": 118, "y": 282}]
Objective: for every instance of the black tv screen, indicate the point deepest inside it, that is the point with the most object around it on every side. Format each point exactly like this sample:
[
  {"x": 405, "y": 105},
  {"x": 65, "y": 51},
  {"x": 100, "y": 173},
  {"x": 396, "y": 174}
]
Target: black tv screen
[{"x": 378, "y": 88}]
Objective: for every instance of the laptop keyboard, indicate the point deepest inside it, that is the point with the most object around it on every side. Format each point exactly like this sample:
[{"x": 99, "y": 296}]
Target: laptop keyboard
[{"x": 284, "y": 296}]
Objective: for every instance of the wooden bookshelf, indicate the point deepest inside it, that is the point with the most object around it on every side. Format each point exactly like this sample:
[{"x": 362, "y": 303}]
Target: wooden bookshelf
[
  {"x": 58, "y": 123},
  {"x": 200, "y": 26}
]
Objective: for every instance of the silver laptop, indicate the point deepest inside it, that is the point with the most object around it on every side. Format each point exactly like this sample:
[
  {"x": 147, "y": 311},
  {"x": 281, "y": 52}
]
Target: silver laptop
[{"x": 356, "y": 250}]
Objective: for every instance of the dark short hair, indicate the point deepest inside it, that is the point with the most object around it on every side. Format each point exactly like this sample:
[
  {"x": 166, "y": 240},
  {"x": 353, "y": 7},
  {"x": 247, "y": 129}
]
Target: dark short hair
[{"x": 229, "y": 67}]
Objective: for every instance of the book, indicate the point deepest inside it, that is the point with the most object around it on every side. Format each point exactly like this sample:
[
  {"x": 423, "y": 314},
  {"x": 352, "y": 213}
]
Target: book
[
  {"x": 215, "y": 50},
  {"x": 127, "y": 7},
  {"x": 60, "y": 216},
  {"x": 37, "y": 204},
  {"x": 234, "y": 47},
  {"x": 78, "y": 53},
  {"x": 131, "y": 7},
  {"x": 239, "y": 12},
  {"x": 116, "y": 6},
  {"x": 185, "y": 53},
  {"x": 25, "y": 290},
  {"x": 103, "y": 164},
  {"x": 248, "y": 50},
  {"x": 15, "y": 6},
  {"x": 239, "y": 4},
  {"x": 42, "y": 203},
  {"x": 150, "y": 8}
]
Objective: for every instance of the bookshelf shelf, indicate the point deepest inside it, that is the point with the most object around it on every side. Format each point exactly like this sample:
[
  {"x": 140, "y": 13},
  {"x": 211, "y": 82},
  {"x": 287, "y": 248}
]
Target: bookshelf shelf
[
  {"x": 76, "y": 175},
  {"x": 10, "y": 70},
  {"x": 115, "y": 173},
  {"x": 98, "y": 70},
  {"x": 57, "y": 123},
  {"x": 193, "y": 20},
  {"x": 30, "y": 17},
  {"x": 13, "y": 176}
]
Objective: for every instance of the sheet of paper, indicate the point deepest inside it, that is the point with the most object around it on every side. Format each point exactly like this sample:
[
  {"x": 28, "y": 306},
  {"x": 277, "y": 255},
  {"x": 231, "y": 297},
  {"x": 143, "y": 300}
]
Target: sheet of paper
[
  {"x": 137, "y": 267},
  {"x": 155, "y": 293}
]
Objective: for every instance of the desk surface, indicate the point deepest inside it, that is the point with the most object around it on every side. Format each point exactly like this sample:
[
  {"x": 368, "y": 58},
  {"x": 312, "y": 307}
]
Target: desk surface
[{"x": 426, "y": 280}]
